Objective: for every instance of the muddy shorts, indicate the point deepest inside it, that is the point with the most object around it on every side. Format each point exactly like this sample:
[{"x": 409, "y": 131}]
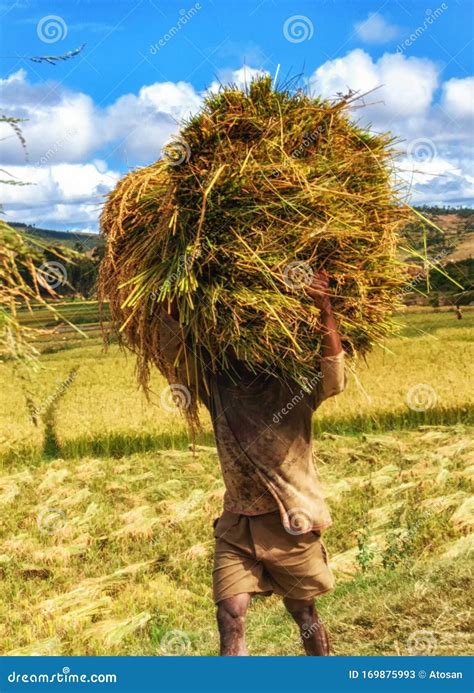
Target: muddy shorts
[{"x": 257, "y": 555}]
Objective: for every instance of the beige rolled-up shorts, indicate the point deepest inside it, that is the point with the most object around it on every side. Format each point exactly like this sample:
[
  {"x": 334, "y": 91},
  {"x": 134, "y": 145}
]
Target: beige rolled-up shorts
[{"x": 257, "y": 555}]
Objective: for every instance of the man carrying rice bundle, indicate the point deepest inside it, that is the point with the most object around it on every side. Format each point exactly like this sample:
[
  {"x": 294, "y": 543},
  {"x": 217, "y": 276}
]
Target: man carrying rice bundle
[
  {"x": 200, "y": 247},
  {"x": 268, "y": 539}
]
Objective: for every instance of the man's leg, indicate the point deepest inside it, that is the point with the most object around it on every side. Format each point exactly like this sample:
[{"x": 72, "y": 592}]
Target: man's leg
[
  {"x": 231, "y": 622},
  {"x": 313, "y": 633}
]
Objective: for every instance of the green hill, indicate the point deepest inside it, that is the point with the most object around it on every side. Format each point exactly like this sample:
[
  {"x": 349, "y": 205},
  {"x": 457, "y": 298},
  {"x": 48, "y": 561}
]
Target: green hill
[{"x": 79, "y": 240}]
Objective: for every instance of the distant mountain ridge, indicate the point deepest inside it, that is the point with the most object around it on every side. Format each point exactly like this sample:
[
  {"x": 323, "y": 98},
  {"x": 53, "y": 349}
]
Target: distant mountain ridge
[{"x": 87, "y": 240}]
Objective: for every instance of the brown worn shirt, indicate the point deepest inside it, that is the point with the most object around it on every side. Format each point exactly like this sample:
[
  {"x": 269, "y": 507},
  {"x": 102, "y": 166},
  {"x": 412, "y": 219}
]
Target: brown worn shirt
[{"x": 264, "y": 439}]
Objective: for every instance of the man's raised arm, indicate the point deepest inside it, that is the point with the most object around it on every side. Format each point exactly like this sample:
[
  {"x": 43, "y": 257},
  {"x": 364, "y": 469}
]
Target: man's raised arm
[{"x": 332, "y": 355}]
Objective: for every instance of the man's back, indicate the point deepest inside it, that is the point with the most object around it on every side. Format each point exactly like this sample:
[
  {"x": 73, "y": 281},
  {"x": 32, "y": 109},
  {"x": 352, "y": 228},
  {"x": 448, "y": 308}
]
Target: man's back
[{"x": 263, "y": 432}]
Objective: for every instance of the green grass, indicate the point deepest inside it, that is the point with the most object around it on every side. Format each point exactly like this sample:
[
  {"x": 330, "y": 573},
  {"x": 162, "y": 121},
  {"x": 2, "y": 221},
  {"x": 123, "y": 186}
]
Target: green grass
[
  {"x": 124, "y": 491},
  {"x": 78, "y": 312}
]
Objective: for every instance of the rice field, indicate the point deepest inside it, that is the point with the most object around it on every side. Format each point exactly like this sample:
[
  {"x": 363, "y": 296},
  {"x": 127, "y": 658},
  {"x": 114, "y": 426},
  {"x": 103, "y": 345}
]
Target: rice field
[{"x": 106, "y": 514}]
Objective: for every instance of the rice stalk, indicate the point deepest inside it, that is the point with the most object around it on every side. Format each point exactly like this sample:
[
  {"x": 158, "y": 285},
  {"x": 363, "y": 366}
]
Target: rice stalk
[
  {"x": 273, "y": 179},
  {"x": 113, "y": 631}
]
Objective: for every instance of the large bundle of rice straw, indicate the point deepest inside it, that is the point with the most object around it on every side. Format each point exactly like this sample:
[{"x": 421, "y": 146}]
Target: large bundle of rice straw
[{"x": 261, "y": 188}]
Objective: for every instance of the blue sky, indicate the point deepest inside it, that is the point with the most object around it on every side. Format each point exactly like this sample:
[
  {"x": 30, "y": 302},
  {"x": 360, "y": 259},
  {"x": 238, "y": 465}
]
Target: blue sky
[{"x": 147, "y": 64}]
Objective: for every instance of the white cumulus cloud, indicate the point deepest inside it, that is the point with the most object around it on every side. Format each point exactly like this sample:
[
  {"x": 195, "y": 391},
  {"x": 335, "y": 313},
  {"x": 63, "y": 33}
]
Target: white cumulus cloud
[
  {"x": 74, "y": 146},
  {"x": 55, "y": 119},
  {"x": 78, "y": 150},
  {"x": 434, "y": 132},
  {"x": 241, "y": 77},
  {"x": 376, "y": 29},
  {"x": 458, "y": 98},
  {"x": 64, "y": 126},
  {"x": 404, "y": 86},
  {"x": 70, "y": 194}
]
